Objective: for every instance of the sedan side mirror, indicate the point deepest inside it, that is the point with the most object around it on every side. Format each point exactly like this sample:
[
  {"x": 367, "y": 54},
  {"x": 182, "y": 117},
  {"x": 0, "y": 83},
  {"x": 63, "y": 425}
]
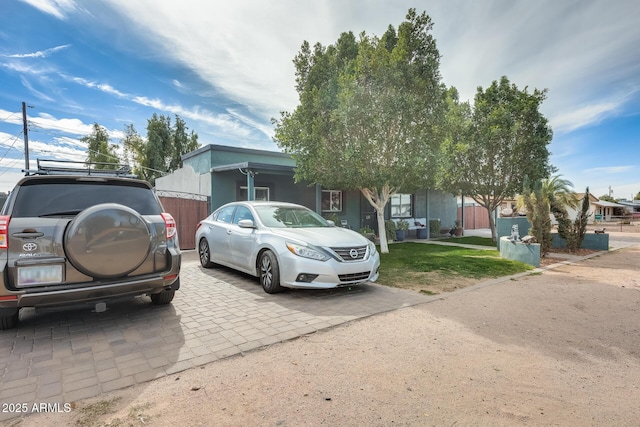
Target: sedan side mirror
[{"x": 246, "y": 223}]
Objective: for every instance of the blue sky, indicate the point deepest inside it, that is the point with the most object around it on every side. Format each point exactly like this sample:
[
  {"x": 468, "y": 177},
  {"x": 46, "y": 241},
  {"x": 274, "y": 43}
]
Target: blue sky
[{"x": 226, "y": 69}]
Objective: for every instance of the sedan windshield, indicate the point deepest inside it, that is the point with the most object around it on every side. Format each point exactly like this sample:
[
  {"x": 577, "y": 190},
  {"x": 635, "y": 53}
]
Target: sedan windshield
[{"x": 289, "y": 217}]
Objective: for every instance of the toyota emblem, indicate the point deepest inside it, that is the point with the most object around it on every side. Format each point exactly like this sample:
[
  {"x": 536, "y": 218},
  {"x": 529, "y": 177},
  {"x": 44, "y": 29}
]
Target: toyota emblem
[
  {"x": 353, "y": 253},
  {"x": 29, "y": 247}
]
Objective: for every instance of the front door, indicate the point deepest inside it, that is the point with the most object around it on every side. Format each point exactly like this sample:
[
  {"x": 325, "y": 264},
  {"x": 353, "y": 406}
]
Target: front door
[{"x": 368, "y": 215}]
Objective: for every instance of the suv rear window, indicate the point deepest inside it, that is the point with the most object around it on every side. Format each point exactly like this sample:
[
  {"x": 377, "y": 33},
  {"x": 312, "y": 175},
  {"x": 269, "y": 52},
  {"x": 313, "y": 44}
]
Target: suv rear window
[{"x": 60, "y": 198}]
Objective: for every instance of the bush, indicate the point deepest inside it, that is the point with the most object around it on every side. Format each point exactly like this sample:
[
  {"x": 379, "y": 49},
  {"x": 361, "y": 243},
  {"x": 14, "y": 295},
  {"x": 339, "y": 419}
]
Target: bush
[
  {"x": 367, "y": 230},
  {"x": 390, "y": 230},
  {"x": 434, "y": 227},
  {"x": 369, "y": 233},
  {"x": 402, "y": 225}
]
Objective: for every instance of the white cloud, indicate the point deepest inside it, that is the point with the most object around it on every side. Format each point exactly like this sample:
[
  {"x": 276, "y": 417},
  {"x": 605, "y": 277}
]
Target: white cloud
[
  {"x": 611, "y": 169},
  {"x": 223, "y": 122},
  {"x": 57, "y": 8},
  {"x": 245, "y": 49},
  {"x": 34, "y": 91},
  {"x": 104, "y": 87},
  {"x": 584, "y": 116},
  {"x": 68, "y": 126},
  {"x": 40, "y": 54}
]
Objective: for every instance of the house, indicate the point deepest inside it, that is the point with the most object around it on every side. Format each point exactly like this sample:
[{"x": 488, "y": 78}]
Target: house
[
  {"x": 593, "y": 200},
  {"x": 606, "y": 211},
  {"x": 631, "y": 207},
  {"x": 222, "y": 174}
]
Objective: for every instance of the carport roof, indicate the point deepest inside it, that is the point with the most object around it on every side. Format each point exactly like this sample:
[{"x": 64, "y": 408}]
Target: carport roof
[
  {"x": 606, "y": 204},
  {"x": 253, "y": 166}
]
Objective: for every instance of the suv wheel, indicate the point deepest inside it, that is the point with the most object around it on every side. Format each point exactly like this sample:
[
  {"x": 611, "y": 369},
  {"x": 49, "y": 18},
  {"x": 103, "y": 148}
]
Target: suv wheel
[
  {"x": 9, "y": 321},
  {"x": 163, "y": 298}
]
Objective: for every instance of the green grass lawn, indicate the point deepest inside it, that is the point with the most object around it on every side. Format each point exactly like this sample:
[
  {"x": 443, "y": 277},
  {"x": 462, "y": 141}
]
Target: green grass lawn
[
  {"x": 471, "y": 240},
  {"x": 406, "y": 262}
]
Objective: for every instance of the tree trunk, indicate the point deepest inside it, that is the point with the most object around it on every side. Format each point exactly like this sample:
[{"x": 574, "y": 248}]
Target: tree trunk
[
  {"x": 492, "y": 224},
  {"x": 379, "y": 200}
]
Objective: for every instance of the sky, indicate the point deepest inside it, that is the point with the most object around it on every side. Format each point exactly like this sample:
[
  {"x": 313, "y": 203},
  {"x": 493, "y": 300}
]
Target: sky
[{"x": 226, "y": 69}]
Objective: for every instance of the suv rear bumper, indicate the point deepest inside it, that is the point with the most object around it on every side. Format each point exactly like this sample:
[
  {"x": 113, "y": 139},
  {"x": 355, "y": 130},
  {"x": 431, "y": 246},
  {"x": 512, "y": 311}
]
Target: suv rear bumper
[{"x": 72, "y": 295}]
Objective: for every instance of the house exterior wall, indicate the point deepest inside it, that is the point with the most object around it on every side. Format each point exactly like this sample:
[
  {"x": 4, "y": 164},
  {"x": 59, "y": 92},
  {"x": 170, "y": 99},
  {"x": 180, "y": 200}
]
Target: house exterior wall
[
  {"x": 573, "y": 212},
  {"x": 274, "y": 170},
  {"x": 186, "y": 180},
  {"x": 226, "y": 188}
]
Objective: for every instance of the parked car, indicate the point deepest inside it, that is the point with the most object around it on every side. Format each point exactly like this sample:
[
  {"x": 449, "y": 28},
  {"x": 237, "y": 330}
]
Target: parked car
[
  {"x": 79, "y": 238},
  {"x": 286, "y": 246}
]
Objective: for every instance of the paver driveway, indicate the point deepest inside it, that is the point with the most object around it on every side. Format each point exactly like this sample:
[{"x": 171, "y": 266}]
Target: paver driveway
[{"x": 59, "y": 356}]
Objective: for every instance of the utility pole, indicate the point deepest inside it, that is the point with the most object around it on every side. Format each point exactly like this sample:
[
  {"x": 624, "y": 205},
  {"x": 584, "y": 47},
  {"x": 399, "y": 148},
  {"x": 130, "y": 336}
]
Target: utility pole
[{"x": 26, "y": 138}]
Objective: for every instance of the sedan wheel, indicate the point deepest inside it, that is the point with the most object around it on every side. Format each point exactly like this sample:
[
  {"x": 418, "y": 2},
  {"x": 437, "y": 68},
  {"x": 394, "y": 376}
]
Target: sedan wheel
[
  {"x": 205, "y": 253},
  {"x": 270, "y": 273}
]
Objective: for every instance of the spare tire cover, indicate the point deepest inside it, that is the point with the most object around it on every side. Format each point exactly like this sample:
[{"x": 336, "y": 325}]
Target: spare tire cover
[{"x": 107, "y": 240}]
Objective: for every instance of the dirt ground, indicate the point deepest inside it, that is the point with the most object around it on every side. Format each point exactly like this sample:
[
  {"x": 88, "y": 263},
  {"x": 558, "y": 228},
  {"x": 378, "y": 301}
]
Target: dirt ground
[{"x": 554, "y": 348}]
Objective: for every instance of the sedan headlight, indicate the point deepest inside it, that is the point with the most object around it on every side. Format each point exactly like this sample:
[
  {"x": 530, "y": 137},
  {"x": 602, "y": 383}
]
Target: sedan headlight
[
  {"x": 306, "y": 251},
  {"x": 372, "y": 248}
]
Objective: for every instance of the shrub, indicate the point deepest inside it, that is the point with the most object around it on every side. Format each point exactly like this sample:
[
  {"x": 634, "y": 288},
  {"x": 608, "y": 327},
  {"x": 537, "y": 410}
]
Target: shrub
[
  {"x": 390, "y": 230},
  {"x": 434, "y": 227},
  {"x": 367, "y": 230},
  {"x": 402, "y": 225}
]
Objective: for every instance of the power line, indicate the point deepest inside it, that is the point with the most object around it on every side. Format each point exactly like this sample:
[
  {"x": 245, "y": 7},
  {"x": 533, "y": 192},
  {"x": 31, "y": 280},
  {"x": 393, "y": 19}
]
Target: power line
[
  {"x": 9, "y": 116},
  {"x": 15, "y": 139},
  {"x": 11, "y": 166}
]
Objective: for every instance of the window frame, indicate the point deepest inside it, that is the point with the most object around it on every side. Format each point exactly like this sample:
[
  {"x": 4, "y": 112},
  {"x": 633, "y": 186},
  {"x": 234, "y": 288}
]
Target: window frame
[
  {"x": 400, "y": 204},
  {"x": 244, "y": 188},
  {"x": 327, "y": 198}
]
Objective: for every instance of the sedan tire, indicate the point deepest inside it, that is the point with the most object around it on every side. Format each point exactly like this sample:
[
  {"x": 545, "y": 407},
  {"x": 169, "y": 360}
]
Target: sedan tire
[
  {"x": 269, "y": 273},
  {"x": 205, "y": 253}
]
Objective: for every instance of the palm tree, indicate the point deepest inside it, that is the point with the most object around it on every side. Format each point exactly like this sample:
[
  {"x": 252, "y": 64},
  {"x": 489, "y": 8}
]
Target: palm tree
[{"x": 559, "y": 192}]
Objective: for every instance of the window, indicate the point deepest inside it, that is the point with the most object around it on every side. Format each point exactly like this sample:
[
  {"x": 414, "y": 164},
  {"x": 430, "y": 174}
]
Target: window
[
  {"x": 242, "y": 212},
  {"x": 331, "y": 201},
  {"x": 401, "y": 206},
  {"x": 225, "y": 214},
  {"x": 259, "y": 193},
  {"x": 71, "y": 195}
]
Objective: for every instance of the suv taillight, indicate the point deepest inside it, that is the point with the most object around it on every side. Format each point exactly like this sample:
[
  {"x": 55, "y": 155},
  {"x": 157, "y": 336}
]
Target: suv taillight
[
  {"x": 170, "y": 224},
  {"x": 4, "y": 231}
]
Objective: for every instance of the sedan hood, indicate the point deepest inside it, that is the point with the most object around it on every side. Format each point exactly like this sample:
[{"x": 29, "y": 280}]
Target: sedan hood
[{"x": 323, "y": 236}]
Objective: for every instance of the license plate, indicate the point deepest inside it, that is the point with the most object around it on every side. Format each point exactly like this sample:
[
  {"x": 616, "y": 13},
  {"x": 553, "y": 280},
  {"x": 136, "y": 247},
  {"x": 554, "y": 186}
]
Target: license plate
[{"x": 39, "y": 275}]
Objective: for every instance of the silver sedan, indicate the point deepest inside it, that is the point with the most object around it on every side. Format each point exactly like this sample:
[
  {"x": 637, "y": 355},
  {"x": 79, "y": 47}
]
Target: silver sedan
[{"x": 285, "y": 245}]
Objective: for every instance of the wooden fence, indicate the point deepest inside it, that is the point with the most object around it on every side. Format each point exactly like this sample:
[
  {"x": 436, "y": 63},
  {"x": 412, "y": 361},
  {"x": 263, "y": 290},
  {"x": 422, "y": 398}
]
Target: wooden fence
[
  {"x": 187, "y": 213},
  {"x": 475, "y": 217}
]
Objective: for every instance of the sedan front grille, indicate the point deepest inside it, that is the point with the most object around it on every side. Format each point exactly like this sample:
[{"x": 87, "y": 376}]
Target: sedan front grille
[
  {"x": 354, "y": 277},
  {"x": 357, "y": 253}
]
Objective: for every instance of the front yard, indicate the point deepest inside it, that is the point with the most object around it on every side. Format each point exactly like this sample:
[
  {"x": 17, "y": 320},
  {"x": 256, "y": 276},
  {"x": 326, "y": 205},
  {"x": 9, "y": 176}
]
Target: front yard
[{"x": 433, "y": 269}]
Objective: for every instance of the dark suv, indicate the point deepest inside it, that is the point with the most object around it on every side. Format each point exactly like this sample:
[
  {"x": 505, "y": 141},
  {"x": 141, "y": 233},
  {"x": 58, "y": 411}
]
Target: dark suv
[{"x": 82, "y": 237}]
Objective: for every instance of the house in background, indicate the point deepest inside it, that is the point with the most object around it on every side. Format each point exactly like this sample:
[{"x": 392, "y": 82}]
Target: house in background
[
  {"x": 606, "y": 211},
  {"x": 222, "y": 174},
  {"x": 631, "y": 207}
]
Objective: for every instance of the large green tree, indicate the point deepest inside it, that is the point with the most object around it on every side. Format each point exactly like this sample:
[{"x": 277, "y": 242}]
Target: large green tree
[
  {"x": 370, "y": 114},
  {"x": 506, "y": 139},
  {"x": 100, "y": 151},
  {"x": 134, "y": 149},
  {"x": 163, "y": 149}
]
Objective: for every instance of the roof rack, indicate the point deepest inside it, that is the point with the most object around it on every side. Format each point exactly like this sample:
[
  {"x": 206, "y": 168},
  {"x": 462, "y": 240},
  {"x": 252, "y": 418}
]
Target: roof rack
[{"x": 59, "y": 167}]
